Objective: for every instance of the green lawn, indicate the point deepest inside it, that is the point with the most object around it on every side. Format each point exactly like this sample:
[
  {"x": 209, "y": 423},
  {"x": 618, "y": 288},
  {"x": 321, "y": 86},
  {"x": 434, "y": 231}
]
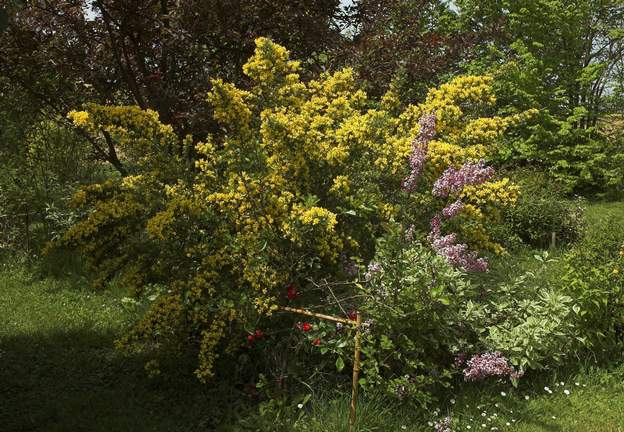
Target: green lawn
[{"x": 60, "y": 372}]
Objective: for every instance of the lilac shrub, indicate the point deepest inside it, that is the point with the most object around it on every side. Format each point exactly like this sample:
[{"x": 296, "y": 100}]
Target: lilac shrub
[
  {"x": 453, "y": 209},
  {"x": 457, "y": 254},
  {"x": 451, "y": 182}
]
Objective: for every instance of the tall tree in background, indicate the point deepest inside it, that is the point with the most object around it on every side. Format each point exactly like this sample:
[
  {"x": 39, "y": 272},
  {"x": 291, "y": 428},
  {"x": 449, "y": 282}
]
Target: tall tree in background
[
  {"x": 562, "y": 57},
  {"x": 417, "y": 42},
  {"x": 579, "y": 46},
  {"x": 157, "y": 54}
]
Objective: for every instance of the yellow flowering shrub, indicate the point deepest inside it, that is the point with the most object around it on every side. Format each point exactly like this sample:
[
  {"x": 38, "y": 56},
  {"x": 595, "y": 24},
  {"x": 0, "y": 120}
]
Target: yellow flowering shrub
[{"x": 302, "y": 175}]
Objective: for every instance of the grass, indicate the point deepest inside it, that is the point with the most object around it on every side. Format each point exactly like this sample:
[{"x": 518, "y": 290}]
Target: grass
[
  {"x": 60, "y": 372},
  {"x": 594, "y": 404}
]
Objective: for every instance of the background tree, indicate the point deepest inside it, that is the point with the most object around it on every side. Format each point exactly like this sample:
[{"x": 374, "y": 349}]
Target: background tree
[
  {"x": 153, "y": 54},
  {"x": 419, "y": 43},
  {"x": 563, "y": 58}
]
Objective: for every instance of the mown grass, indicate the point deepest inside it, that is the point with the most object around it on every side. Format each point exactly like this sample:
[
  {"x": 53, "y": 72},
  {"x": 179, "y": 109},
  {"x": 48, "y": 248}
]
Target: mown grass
[{"x": 59, "y": 371}]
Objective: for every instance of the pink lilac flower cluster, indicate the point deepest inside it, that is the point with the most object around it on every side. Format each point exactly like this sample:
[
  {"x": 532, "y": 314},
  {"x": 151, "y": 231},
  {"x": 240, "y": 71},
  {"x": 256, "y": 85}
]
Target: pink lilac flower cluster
[
  {"x": 489, "y": 364},
  {"x": 373, "y": 267},
  {"x": 443, "y": 425},
  {"x": 350, "y": 267},
  {"x": 453, "y": 180},
  {"x": 453, "y": 209},
  {"x": 420, "y": 147},
  {"x": 457, "y": 254}
]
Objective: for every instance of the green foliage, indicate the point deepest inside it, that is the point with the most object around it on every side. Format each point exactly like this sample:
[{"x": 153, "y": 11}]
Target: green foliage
[
  {"x": 304, "y": 173},
  {"x": 559, "y": 57},
  {"x": 593, "y": 276},
  {"x": 44, "y": 164},
  {"x": 541, "y": 211},
  {"x": 415, "y": 303},
  {"x": 532, "y": 325}
]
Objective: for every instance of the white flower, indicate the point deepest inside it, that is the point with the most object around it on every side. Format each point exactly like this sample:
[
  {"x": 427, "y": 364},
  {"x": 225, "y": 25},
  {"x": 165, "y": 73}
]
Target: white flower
[
  {"x": 452, "y": 401},
  {"x": 483, "y": 414},
  {"x": 496, "y": 405},
  {"x": 554, "y": 418},
  {"x": 430, "y": 424},
  {"x": 567, "y": 392},
  {"x": 577, "y": 384},
  {"x": 503, "y": 394},
  {"x": 527, "y": 397},
  {"x": 562, "y": 383},
  {"x": 483, "y": 425},
  {"x": 300, "y": 406},
  {"x": 507, "y": 424},
  {"x": 403, "y": 427},
  {"x": 468, "y": 427}
]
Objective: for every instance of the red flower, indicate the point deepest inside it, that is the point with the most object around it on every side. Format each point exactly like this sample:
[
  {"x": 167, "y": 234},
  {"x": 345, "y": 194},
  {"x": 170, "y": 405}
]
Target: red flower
[
  {"x": 352, "y": 315},
  {"x": 316, "y": 341},
  {"x": 291, "y": 292},
  {"x": 306, "y": 327},
  {"x": 250, "y": 338},
  {"x": 259, "y": 333}
]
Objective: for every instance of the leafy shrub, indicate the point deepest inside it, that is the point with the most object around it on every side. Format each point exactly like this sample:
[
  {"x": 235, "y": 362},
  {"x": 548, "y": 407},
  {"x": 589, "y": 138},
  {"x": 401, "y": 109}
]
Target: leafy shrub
[
  {"x": 533, "y": 327},
  {"x": 541, "y": 211},
  {"x": 414, "y": 301},
  {"x": 592, "y": 275},
  {"x": 302, "y": 175}
]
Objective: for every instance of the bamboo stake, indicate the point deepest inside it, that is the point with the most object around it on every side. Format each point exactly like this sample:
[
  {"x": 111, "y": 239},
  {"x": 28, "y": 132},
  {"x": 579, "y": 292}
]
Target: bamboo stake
[
  {"x": 356, "y": 372},
  {"x": 317, "y": 315},
  {"x": 356, "y": 356}
]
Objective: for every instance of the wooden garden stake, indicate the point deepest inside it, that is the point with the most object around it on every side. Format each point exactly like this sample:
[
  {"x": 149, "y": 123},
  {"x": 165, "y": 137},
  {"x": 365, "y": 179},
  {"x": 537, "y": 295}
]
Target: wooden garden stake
[
  {"x": 356, "y": 355},
  {"x": 356, "y": 372}
]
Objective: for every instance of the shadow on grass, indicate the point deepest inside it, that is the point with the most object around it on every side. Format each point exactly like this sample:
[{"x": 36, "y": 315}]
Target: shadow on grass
[{"x": 77, "y": 381}]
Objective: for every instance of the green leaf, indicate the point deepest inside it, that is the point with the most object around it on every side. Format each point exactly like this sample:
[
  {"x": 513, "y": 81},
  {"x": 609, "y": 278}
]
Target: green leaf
[{"x": 340, "y": 364}]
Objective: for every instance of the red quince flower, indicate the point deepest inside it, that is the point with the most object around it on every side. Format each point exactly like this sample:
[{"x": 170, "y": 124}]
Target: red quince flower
[
  {"x": 352, "y": 315},
  {"x": 306, "y": 327},
  {"x": 250, "y": 338},
  {"x": 291, "y": 292},
  {"x": 316, "y": 341},
  {"x": 259, "y": 333}
]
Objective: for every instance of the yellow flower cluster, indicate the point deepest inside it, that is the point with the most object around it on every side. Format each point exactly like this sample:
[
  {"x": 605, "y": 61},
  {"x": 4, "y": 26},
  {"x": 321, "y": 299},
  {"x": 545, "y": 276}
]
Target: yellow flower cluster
[
  {"x": 305, "y": 171},
  {"x": 80, "y": 118}
]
